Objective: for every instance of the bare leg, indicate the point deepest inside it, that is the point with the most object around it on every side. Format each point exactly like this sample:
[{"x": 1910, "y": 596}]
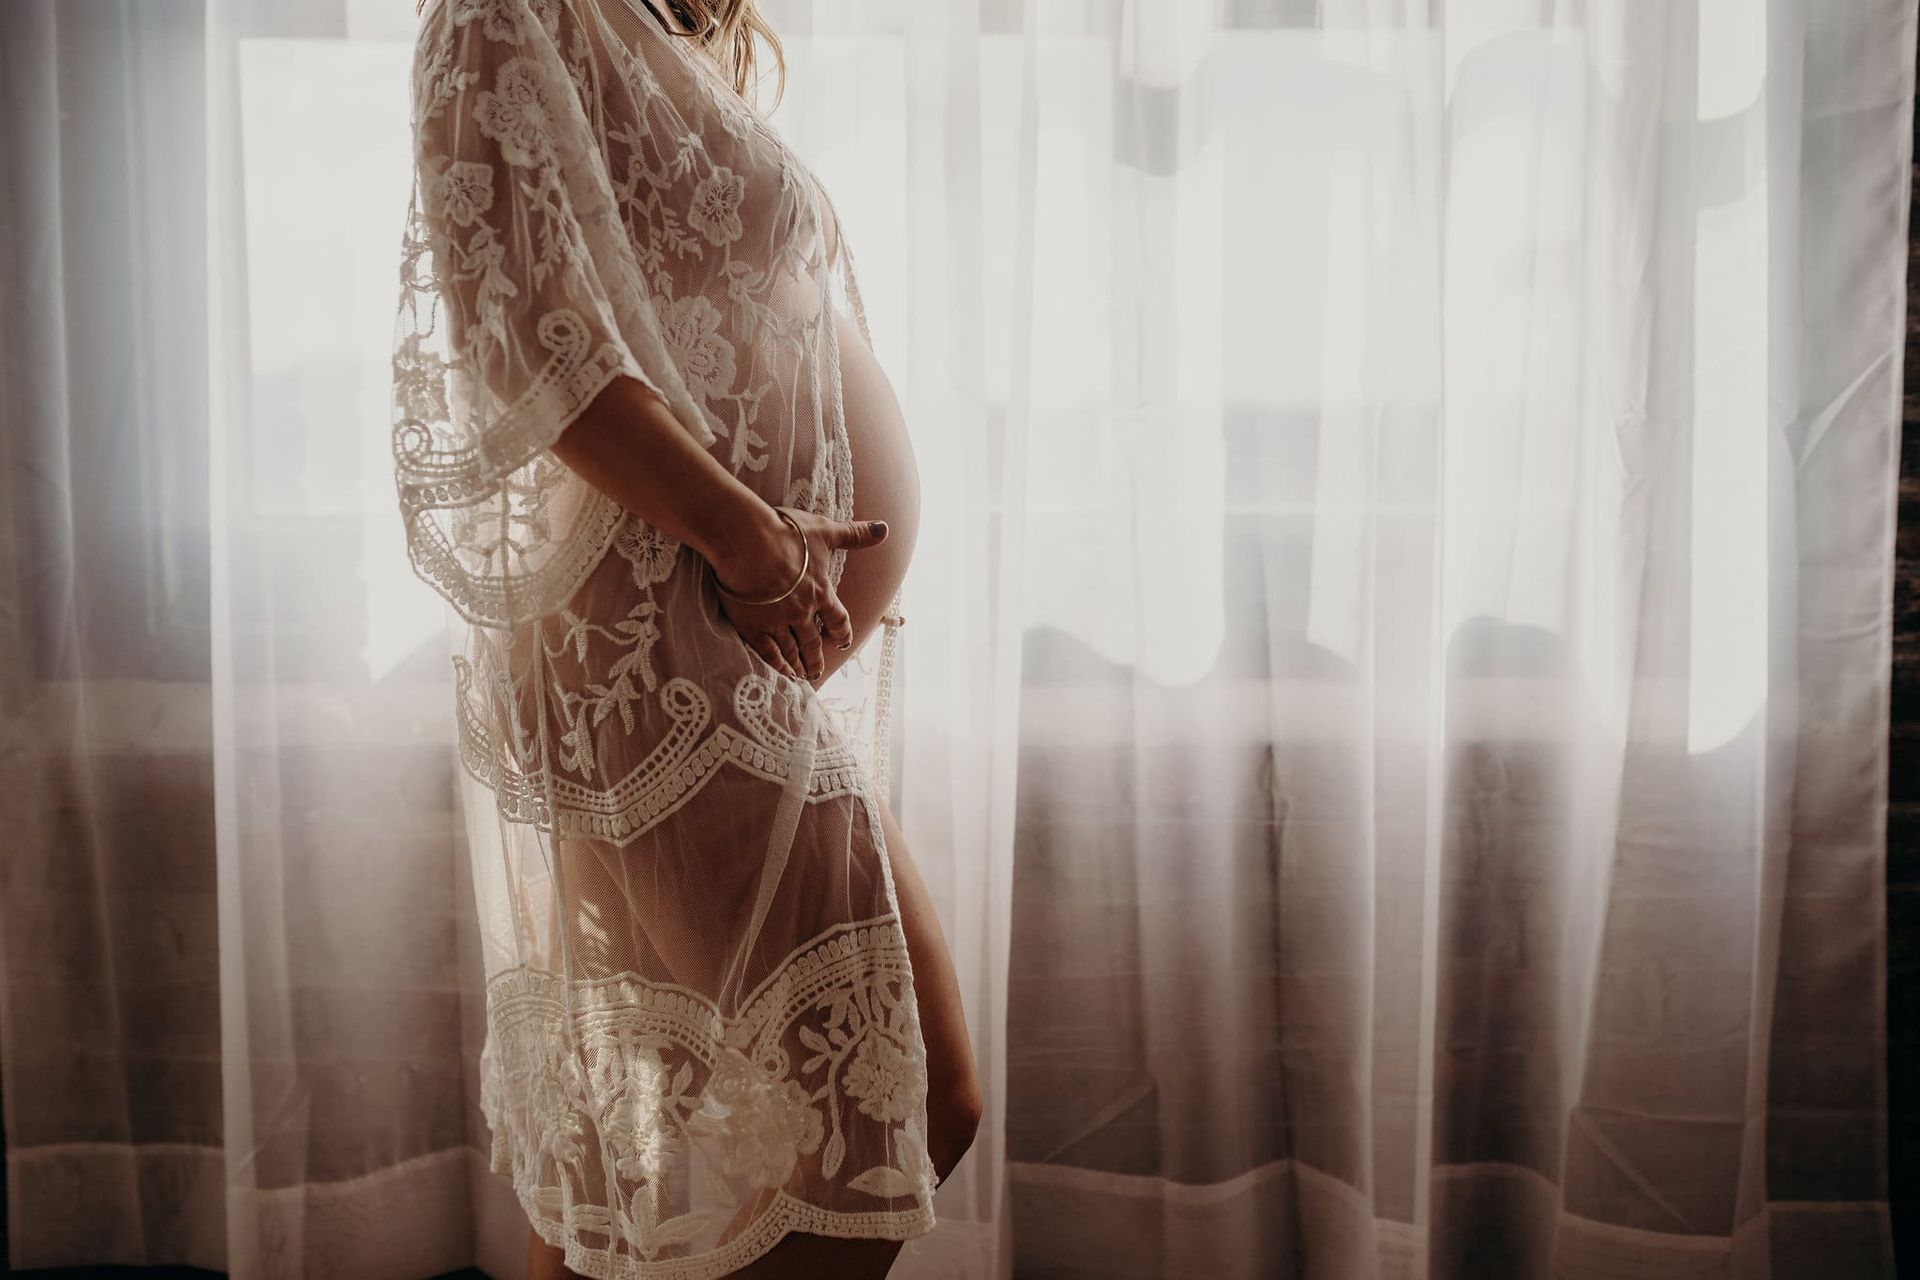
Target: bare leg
[
  {"x": 800, "y": 1256},
  {"x": 544, "y": 1262},
  {"x": 953, "y": 1094},
  {"x": 953, "y": 1087}
]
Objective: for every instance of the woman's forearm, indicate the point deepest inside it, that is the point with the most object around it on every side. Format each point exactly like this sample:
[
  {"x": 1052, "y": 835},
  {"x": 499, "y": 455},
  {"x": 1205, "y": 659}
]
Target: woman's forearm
[{"x": 628, "y": 445}]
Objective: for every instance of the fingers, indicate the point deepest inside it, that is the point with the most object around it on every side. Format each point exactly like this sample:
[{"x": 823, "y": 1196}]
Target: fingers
[
  {"x": 837, "y": 623},
  {"x": 795, "y": 645},
  {"x": 811, "y": 647},
  {"x": 789, "y": 651},
  {"x": 852, "y": 535},
  {"x": 763, "y": 644}
]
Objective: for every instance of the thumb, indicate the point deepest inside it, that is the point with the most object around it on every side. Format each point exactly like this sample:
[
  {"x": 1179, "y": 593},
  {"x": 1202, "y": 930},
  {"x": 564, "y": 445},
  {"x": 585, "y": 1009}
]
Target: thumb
[{"x": 851, "y": 535}]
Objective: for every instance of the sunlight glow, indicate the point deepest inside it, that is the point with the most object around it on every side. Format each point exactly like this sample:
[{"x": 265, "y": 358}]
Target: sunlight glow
[{"x": 326, "y": 154}]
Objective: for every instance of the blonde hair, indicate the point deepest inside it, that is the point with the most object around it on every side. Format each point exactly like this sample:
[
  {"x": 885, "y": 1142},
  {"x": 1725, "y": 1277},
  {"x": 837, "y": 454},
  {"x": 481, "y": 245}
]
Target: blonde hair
[{"x": 728, "y": 31}]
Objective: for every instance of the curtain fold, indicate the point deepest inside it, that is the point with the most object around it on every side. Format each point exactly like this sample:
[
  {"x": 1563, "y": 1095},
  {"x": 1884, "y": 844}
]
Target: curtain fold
[
  {"x": 1392, "y": 711},
  {"x": 109, "y": 1026},
  {"x": 1466, "y": 908}
]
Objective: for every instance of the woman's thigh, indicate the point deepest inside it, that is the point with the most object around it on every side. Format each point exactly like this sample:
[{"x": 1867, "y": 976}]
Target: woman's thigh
[{"x": 936, "y": 987}]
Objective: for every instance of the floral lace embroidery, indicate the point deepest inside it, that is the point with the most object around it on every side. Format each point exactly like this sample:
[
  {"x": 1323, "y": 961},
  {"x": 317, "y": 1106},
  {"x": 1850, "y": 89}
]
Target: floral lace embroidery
[
  {"x": 585, "y": 1131},
  {"x": 671, "y": 774},
  {"x": 463, "y": 243},
  {"x": 591, "y": 202}
]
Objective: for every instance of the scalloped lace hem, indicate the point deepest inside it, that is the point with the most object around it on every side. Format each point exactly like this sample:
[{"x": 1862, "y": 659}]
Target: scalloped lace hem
[{"x": 787, "y": 1215}]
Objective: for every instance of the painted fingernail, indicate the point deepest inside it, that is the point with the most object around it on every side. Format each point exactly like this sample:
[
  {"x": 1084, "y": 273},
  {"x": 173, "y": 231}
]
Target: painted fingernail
[{"x": 877, "y": 527}]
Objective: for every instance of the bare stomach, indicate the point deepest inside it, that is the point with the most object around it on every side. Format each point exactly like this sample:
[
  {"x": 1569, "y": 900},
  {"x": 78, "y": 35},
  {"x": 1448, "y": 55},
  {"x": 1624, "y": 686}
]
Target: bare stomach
[{"x": 886, "y": 486}]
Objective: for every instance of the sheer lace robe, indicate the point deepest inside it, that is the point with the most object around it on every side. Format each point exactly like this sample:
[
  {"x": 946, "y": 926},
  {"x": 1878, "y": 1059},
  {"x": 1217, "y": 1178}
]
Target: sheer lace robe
[{"x": 701, "y": 1024}]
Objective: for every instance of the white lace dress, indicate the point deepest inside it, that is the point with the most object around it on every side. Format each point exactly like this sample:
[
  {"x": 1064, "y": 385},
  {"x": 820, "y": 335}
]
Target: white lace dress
[{"x": 702, "y": 1032}]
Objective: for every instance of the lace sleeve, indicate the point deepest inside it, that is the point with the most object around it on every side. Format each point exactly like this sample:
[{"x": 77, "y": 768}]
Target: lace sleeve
[{"x": 521, "y": 299}]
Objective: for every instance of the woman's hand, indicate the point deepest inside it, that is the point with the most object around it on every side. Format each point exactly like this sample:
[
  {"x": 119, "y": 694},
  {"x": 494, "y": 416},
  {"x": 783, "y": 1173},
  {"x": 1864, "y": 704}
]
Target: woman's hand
[{"x": 791, "y": 633}]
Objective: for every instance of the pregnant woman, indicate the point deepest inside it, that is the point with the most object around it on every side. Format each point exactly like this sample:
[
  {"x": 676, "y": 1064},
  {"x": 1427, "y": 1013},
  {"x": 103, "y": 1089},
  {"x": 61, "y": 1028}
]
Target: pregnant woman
[{"x": 643, "y": 447}]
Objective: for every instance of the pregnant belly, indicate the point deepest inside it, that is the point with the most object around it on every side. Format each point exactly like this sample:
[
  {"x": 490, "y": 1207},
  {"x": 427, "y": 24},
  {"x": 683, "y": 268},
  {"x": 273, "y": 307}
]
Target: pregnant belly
[{"x": 886, "y": 485}]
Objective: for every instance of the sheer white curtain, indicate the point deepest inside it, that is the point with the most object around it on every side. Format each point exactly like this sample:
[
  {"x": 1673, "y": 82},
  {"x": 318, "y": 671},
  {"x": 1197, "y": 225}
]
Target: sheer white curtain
[
  {"x": 1393, "y": 698},
  {"x": 1402, "y": 657}
]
